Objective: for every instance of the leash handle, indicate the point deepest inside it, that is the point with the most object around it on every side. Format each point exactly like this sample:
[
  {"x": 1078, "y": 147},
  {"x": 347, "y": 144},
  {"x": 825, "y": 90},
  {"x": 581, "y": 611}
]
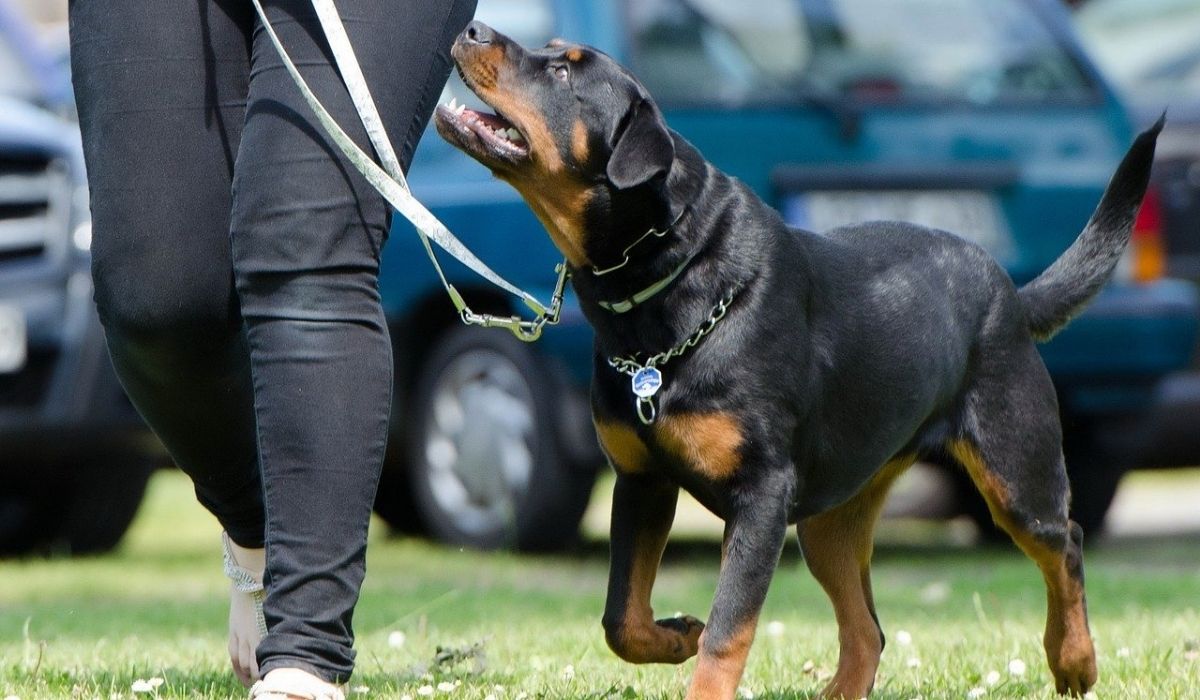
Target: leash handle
[{"x": 394, "y": 187}]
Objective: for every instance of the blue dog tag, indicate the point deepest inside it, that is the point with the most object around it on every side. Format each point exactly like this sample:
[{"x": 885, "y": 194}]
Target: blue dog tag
[{"x": 647, "y": 382}]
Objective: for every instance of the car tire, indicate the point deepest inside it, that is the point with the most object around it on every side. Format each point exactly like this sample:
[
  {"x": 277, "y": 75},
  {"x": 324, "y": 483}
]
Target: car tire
[
  {"x": 83, "y": 509},
  {"x": 487, "y": 468}
]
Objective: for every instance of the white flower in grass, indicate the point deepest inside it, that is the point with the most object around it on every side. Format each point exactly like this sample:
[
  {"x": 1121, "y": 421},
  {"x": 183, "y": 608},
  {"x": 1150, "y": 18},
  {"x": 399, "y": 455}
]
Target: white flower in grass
[
  {"x": 934, "y": 593},
  {"x": 568, "y": 673},
  {"x": 1123, "y": 651},
  {"x": 11, "y": 697},
  {"x": 406, "y": 697},
  {"x": 446, "y": 687},
  {"x": 397, "y": 639},
  {"x": 360, "y": 689},
  {"x": 775, "y": 629},
  {"x": 977, "y": 692},
  {"x": 745, "y": 694},
  {"x": 808, "y": 667},
  {"x": 903, "y": 638},
  {"x": 1089, "y": 695},
  {"x": 522, "y": 695},
  {"x": 425, "y": 691},
  {"x": 146, "y": 686},
  {"x": 490, "y": 696},
  {"x": 914, "y": 662},
  {"x": 1016, "y": 667},
  {"x": 992, "y": 678}
]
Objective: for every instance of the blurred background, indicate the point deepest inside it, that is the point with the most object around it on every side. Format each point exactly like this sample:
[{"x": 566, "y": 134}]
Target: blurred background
[{"x": 999, "y": 120}]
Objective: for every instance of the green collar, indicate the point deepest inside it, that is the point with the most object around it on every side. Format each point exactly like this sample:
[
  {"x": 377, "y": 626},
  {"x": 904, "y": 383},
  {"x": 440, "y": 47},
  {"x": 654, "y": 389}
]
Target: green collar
[
  {"x": 620, "y": 307},
  {"x": 623, "y": 305}
]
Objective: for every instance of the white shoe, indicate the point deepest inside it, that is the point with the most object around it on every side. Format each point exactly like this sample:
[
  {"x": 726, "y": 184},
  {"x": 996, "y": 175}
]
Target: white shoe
[
  {"x": 247, "y": 626},
  {"x": 294, "y": 684}
]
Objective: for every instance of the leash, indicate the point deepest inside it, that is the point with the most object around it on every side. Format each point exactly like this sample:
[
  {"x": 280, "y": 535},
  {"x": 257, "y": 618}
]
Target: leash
[
  {"x": 390, "y": 182},
  {"x": 646, "y": 378}
]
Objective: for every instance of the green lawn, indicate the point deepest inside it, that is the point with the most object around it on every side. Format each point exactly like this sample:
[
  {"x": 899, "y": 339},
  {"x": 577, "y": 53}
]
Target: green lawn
[{"x": 155, "y": 609}]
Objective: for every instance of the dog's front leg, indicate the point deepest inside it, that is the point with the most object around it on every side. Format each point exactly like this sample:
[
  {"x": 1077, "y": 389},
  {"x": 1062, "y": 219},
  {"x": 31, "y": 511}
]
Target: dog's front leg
[
  {"x": 642, "y": 513},
  {"x": 755, "y": 529}
]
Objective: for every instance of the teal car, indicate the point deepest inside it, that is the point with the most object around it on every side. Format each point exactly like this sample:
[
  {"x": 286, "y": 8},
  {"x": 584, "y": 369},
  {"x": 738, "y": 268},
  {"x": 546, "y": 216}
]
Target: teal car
[{"x": 982, "y": 117}]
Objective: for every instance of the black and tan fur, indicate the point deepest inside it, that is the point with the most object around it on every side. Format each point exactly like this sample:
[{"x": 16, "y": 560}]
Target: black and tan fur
[{"x": 844, "y": 358}]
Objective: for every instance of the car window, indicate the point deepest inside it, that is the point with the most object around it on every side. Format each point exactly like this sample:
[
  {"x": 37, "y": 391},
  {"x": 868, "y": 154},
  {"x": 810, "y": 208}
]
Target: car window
[
  {"x": 1151, "y": 48},
  {"x": 980, "y": 51}
]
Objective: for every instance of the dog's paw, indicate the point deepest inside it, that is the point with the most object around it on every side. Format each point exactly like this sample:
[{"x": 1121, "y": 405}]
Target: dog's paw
[{"x": 687, "y": 629}]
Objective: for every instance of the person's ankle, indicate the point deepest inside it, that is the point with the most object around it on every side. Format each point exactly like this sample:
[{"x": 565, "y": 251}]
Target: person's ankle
[{"x": 252, "y": 560}]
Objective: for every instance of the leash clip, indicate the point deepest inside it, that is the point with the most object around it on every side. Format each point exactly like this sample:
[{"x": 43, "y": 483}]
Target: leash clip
[{"x": 525, "y": 331}]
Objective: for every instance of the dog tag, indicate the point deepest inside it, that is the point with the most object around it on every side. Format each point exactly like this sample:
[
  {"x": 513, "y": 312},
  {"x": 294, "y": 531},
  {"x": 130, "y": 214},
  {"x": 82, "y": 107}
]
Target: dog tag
[{"x": 647, "y": 382}]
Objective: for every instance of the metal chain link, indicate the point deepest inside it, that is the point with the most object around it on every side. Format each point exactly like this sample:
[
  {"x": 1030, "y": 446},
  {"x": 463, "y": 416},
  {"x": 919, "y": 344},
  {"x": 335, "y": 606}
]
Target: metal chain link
[{"x": 630, "y": 365}]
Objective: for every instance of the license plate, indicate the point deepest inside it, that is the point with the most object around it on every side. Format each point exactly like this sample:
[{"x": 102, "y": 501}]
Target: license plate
[
  {"x": 12, "y": 339},
  {"x": 970, "y": 214}
]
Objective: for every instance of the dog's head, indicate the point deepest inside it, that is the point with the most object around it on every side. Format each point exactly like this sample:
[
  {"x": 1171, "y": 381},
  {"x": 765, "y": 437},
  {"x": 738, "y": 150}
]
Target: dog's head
[{"x": 574, "y": 132}]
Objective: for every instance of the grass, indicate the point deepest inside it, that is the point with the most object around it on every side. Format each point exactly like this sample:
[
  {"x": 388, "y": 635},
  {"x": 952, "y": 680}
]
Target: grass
[{"x": 523, "y": 625}]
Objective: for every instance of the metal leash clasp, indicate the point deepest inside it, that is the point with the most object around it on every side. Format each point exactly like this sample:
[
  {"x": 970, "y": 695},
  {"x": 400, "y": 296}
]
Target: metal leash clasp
[{"x": 526, "y": 331}]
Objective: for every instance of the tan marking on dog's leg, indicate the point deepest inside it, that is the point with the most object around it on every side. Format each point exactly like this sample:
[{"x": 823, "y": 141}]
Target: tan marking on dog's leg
[
  {"x": 623, "y": 447},
  {"x": 837, "y": 548},
  {"x": 718, "y": 672},
  {"x": 1068, "y": 642},
  {"x": 708, "y": 443}
]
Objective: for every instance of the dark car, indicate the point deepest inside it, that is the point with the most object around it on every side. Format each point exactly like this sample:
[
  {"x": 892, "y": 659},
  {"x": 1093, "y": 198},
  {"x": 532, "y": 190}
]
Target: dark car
[{"x": 74, "y": 456}]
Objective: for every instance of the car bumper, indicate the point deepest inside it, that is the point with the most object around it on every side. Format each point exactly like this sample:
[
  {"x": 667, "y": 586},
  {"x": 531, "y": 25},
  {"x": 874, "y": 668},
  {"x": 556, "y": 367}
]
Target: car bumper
[{"x": 66, "y": 391}]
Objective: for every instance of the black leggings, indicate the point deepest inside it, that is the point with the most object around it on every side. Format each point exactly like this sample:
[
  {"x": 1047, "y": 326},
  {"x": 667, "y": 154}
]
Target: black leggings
[{"x": 236, "y": 256}]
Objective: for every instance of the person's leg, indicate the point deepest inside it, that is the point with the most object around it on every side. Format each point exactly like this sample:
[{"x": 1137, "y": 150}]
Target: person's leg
[
  {"x": 307, "y": 232},
  {"x": 161, "y": 88}
]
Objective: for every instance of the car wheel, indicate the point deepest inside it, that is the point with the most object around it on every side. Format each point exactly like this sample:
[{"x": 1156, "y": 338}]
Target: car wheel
[
  {"x": 83, "y": 508},
  {"x": 486, "y": 465}
]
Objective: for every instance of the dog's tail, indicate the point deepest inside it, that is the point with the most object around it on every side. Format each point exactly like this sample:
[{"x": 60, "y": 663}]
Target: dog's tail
[{"x": 1054, "y": 297}]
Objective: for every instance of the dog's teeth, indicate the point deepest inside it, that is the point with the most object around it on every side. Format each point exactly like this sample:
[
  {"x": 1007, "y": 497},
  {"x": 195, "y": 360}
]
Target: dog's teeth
[
  {"x": 453, "y": 106},
  {"x": 459, "y": 110},
  {"x": 514, "y": 135}
]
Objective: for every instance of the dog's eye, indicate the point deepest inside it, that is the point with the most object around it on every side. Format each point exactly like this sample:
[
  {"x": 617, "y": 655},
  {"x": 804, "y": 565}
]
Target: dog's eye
[{"x": 561, "y": 71}]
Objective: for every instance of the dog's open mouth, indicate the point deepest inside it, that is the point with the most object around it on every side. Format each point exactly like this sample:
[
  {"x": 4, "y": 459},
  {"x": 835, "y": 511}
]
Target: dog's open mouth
[{"x": 483, "y": 135}]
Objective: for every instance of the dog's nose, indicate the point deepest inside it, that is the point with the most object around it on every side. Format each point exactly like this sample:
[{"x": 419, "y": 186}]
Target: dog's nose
[{"x": 478, "y": 33}]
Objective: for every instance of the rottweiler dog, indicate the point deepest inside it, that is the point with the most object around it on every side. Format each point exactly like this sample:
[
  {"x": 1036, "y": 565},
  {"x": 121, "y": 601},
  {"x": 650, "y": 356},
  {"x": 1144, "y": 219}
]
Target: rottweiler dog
[{"x": 778, "y": 375}]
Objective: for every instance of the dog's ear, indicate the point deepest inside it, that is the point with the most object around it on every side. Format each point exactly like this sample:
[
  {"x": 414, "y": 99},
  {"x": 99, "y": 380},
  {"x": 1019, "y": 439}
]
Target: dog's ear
[{"x": 642, "y": 148}]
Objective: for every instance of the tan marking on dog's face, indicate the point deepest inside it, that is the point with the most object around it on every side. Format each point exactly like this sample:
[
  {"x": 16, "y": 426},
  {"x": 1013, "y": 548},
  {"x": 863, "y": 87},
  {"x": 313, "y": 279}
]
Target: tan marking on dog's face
[
  {"x": 557, "y": 196},
  {"x": 623, "y": 447},
  {"x": 579, "y": 142},
  {"x": 491, "y": 76},
  {"x": 559, "y": 203},
  {"x": 575, "y": 54},
  {"x": 708, "y": 443}
]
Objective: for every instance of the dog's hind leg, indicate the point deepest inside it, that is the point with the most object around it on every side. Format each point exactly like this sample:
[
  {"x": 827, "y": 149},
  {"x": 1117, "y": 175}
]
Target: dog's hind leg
[
  {"x": 1014, "y": 457},
  {"x": 837, "y": 548}
]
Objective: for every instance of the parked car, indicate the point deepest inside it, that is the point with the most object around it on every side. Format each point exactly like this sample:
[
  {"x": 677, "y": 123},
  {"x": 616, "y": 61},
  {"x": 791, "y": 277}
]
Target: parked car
[
  {"x": 1151, "y": 51},
  {"x": 982, "y": 117},
  {"x": 74, "y": 457},
  {"x": 985, "y": 118}
]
